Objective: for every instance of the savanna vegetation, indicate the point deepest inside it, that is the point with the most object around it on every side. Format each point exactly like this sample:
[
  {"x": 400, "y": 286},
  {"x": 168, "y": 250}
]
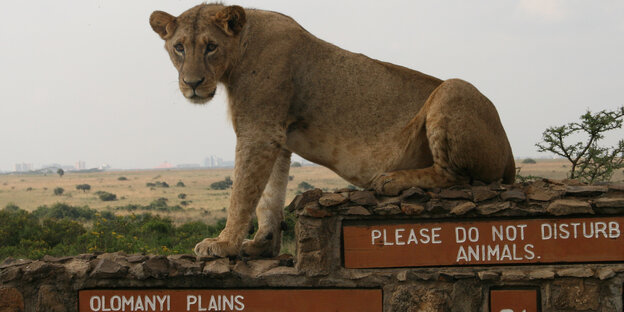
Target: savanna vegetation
[
  {"x": 61, "y": 230},
  {"x": 155, "y": 219}
]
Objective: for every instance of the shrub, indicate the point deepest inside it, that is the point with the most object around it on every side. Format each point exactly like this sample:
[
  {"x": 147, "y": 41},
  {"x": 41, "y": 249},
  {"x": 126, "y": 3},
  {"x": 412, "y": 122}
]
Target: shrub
[
  {"x": 529, "y": 161},
  {"x": 157, "y": 184},
  {"x": 222, "y": 185},
  {"x": 180, "y": 184},
  {"x": 58, "y": 191},
  {"x": 181, "y": 196},
  {"x": 305, "y": 186},
  {"x": 106, "y": 196},
  {"x": 295, "y": 164},
  {"x": 83, "y": 187},
  {"x": 159, "y": 204},
  {"x": 11, "y": 207},
  {"x": 122, "y": 179},
  {"x": 65, "y": 211}
]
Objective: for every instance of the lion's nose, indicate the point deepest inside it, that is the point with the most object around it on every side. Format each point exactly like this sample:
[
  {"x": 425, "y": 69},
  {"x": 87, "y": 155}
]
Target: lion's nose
[{"x": 193, "y": 84}]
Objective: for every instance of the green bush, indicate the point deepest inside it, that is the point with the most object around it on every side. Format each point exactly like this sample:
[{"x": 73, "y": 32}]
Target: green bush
[
  {"x": 65, "y": 211},
  {"x": 33, "y": 235},
  {"x": 11, "y": 207},
  {"x": 58, "y": 191},
  {"x": 157, "y": 184},
  {"x": 83, "y": 187},
  {"x": 222, "y": 185},
  {"x": 106, "y": 196},
  {"x": 529, "y": 161},
  {"x": 180, "y": 184},
  {"x": 159, "y": 204},
  {"x": 122, "y": 179},
  {"x": 305, "y": 186}
]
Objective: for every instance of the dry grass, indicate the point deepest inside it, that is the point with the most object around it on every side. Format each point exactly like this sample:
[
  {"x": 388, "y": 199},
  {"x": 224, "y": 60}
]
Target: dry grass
[
  {"x": 555, "y": 169},
  {"x": 204, "y": 203}
]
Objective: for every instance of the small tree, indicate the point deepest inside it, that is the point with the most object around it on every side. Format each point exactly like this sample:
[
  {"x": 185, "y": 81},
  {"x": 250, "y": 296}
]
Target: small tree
[
  {"x": 222, "y": 185},
  {"x": 590, "y": 162},
  {"x": 83, "y": 187},
  {"x": 305, "y": 186},
  {"x": 60, "y": 172},
  {"x": 58, "y": 191}
]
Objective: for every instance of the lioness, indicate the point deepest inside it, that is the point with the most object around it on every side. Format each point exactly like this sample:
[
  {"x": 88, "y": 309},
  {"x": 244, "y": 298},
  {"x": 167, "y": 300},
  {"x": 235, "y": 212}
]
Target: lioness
[{"x": 376, "y": 124}]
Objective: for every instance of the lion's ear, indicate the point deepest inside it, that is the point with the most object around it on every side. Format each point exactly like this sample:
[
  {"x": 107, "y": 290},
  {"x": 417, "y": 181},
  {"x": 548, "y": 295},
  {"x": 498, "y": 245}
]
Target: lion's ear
[
  {"x": 163, "y": 23},
  {"x": 231, "y": 19}
]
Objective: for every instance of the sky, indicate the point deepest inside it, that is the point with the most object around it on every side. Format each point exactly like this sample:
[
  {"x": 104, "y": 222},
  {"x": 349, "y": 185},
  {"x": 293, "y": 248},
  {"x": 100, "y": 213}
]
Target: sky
[{"x": 89, "y": 80}]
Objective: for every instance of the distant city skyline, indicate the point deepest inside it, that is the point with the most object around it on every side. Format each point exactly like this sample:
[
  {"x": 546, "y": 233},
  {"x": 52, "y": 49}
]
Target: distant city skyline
[{"x": 211, "y": 161}]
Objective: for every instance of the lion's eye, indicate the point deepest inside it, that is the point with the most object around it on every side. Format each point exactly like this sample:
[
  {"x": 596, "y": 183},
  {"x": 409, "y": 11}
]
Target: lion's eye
[
  {"x": 210, "y": 47},
  {"x": 179, "y": 47}
]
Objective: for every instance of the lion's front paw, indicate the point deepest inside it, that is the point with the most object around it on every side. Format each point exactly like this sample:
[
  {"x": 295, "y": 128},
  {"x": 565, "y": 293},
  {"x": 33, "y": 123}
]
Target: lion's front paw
[
  {"x": 262, "y": 246},
  {"x": 214, "y": 247},
  {"x": 389, "y": 184}
]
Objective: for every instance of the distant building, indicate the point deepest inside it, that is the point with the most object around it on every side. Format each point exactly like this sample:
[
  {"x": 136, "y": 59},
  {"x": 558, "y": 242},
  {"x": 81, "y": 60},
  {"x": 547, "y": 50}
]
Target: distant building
[
  {"x": 104, "y": 167},
  {"x": 213, "y": 162},
  {"x": 23, "y": 167},
  {"x": 80, "y": 165}
]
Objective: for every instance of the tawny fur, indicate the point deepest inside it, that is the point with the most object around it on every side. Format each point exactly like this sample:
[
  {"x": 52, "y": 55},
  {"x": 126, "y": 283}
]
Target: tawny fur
[{"x": 376, "y": 124}]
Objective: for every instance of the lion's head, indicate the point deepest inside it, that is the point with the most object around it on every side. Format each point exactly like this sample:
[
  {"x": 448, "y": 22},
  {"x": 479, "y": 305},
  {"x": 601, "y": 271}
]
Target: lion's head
[{"x": 202, "y": 43}]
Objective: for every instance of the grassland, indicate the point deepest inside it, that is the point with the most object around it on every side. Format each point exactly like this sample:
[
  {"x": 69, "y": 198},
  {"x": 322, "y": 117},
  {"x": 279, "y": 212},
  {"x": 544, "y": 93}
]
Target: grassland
[{"x": 31, "y": 191}]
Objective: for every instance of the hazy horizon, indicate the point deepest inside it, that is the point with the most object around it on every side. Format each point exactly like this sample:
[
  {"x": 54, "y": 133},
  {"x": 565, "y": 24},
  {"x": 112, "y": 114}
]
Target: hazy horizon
[{"x": 90, "y": 81}]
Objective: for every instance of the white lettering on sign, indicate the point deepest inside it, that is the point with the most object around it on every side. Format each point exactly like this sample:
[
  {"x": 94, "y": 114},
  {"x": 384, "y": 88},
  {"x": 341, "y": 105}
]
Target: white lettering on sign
[
  {"x": 215, "y": 303},
  {"x": 504, "y": 252},
  {"x": 575, "y": 230},
  {"x": 402, "y": 236},
  {"x": 130, "y": 303},
  {"x": 503, "y": 242}
]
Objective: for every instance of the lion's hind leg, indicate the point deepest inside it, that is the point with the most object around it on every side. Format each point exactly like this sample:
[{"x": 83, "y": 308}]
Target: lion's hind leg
[{"x": 465, "y": 137}]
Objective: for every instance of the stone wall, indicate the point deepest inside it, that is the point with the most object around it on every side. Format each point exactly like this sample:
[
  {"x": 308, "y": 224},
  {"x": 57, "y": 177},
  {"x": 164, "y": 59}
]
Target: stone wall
[{"x": 52, "y": 284}]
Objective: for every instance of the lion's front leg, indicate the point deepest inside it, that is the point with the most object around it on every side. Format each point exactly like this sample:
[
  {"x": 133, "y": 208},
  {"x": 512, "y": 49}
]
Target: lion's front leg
[
  {"x": 270, "y": 212},
  {"x": 253, "y": 166}
]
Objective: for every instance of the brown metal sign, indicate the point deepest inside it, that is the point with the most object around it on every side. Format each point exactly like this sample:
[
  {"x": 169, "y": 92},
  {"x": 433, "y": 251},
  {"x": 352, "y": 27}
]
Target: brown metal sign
[
  {"x": 514, "y": 300},
  {"x": 257, "y": 300},
  {"x": 484, "y": 242}
]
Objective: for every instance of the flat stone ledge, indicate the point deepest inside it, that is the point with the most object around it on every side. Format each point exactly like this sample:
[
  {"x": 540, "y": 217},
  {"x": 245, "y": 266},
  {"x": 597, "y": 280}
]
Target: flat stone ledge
[{"x": 545, "y": 197}]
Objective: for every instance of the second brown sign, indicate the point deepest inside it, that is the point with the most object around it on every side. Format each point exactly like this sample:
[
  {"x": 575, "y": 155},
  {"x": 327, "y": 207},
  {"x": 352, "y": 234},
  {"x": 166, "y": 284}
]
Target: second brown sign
[{"x": 484, "y": 242}]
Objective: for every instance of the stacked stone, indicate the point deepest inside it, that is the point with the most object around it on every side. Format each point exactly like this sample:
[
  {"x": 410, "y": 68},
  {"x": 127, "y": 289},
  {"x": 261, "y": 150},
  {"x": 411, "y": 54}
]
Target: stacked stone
[
  {"x": 543, "y": 197},
  {"x": 562, "y": 287},
  {"x": 51, "y": 284}
]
